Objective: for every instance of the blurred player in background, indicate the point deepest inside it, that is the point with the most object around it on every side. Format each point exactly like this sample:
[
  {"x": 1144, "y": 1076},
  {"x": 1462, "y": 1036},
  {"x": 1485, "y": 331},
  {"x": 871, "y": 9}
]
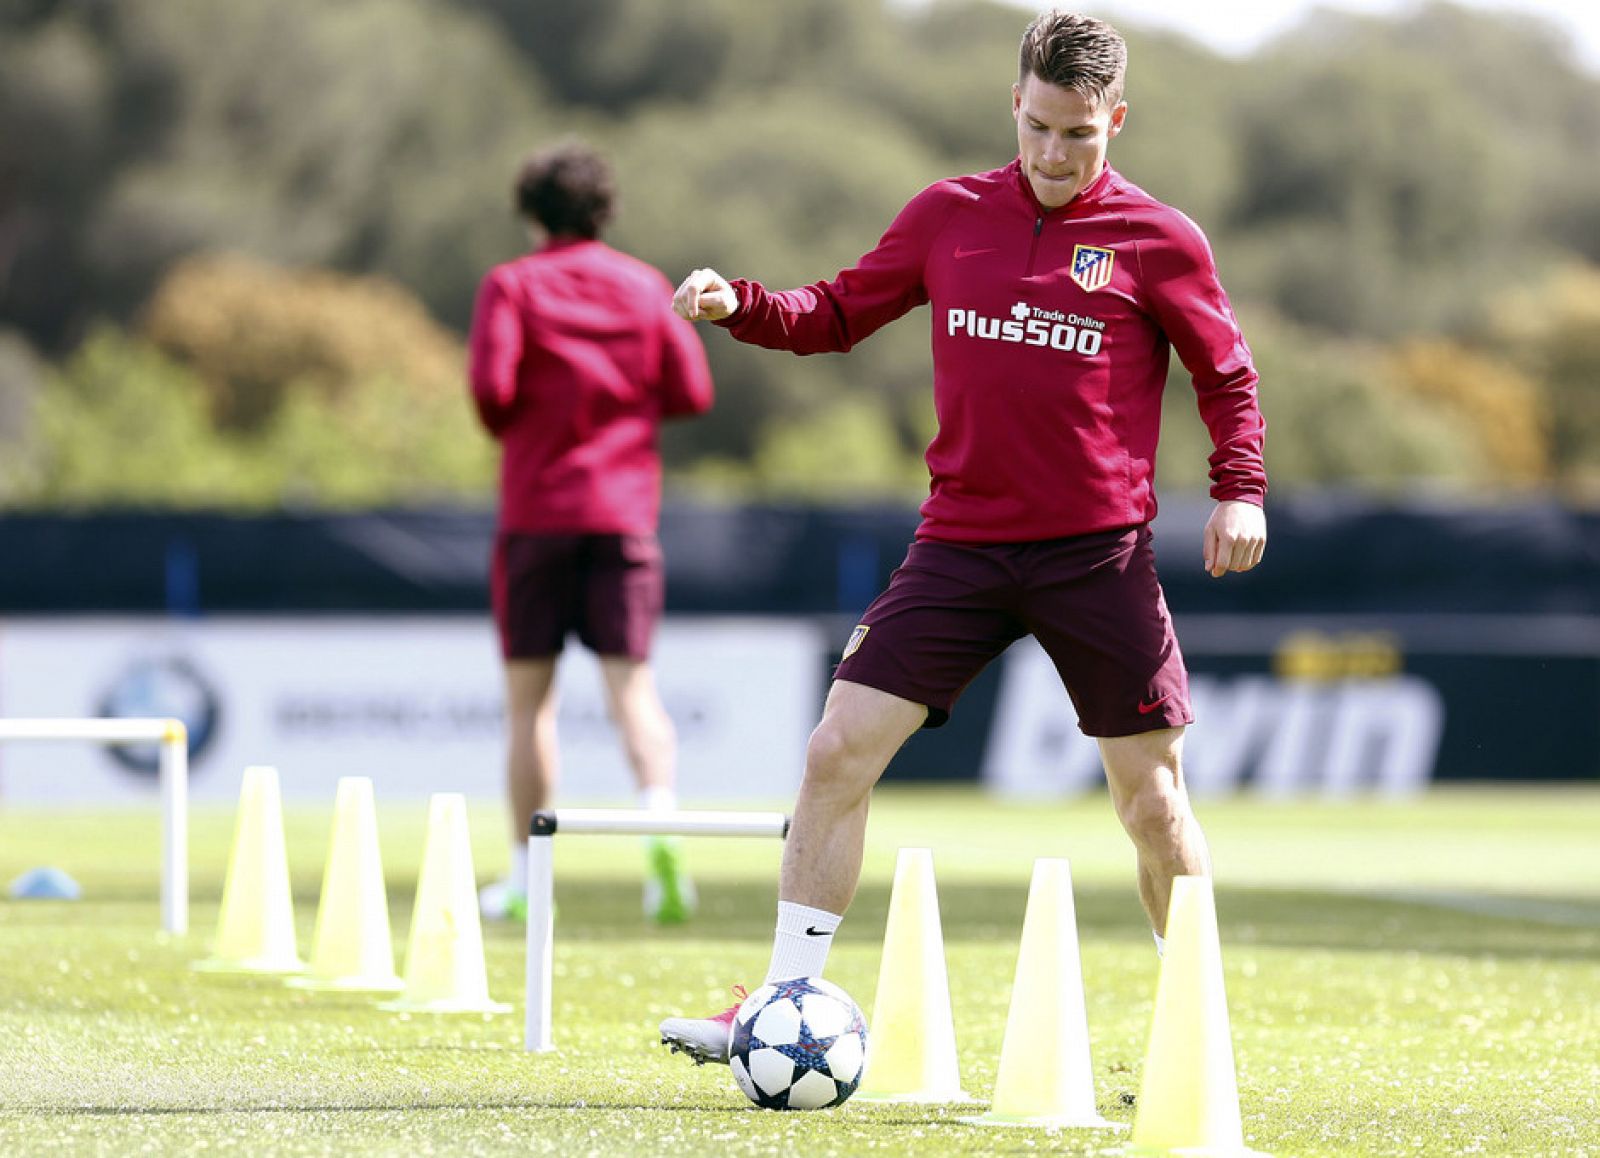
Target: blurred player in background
[
  {"x": 576, "y": 359},
  {"x": 1058, "y": 290}
]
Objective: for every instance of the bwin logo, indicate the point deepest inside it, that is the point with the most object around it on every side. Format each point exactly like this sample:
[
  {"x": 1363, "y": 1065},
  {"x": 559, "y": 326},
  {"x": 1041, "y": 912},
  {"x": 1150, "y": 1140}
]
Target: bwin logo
[{"x": 1028, "y": 326}]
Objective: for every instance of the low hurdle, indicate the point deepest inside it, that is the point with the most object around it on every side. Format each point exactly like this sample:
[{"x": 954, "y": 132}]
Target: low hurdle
[
  {"x": 174, "y": 740},
  {"x": 604, "y": 822}
]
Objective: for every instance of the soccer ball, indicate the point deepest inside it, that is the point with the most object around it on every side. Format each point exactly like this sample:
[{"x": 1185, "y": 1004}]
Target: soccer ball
[{"x": 798, "y": 1045}]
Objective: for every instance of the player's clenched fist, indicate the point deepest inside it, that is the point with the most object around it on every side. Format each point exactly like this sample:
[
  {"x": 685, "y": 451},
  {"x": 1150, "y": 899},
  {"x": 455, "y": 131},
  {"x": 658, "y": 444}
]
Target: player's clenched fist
[{"x": 705, "y": 296}]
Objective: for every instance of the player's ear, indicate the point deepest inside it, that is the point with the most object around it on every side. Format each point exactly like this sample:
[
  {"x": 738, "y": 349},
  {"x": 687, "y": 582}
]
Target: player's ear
[{"x": 1118, "y": 116}]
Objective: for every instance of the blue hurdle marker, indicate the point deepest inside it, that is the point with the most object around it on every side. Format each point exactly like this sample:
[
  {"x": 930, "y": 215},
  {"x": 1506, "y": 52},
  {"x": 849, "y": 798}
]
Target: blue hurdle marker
[{"x": 604, "y": 822}]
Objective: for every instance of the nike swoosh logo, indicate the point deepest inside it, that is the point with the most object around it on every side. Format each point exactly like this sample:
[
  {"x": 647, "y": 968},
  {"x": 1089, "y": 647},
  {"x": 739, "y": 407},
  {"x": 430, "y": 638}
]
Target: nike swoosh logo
[
  {"x": 960, "y": 252},
  {"x": 1146, "y": 709},
  {"x": 813, "y": 931}
]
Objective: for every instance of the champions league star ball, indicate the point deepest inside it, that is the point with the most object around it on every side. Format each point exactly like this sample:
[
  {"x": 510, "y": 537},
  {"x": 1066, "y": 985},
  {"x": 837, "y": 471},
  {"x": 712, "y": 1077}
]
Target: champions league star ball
[{"x": 798, "y": 1045}]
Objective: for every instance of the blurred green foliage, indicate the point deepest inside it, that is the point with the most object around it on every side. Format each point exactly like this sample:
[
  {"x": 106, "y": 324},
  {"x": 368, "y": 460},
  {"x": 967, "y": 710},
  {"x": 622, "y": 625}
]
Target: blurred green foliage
[
  {"x": 248, "y": 386},
  {"x": 1406, "y": 211}
]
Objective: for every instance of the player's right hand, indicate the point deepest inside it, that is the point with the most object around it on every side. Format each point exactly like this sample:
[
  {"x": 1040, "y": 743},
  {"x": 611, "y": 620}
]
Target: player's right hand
[{"x": 705, "y": 296}]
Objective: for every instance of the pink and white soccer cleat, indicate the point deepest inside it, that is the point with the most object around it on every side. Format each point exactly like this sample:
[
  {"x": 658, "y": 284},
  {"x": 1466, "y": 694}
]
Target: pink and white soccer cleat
[{"x": 705, "y": 1039}]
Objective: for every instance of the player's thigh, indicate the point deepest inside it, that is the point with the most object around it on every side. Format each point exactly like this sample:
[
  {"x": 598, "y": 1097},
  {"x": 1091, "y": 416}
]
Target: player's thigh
[
  {"x": 1102, "y": 618},
  {"x": 530, "y": 687},
  {"x": 863, "y": 726},
  {"x": 631, "y": 689},
  {"x": 1142, "y": 764},
  {"x": 623, "y": 595}
]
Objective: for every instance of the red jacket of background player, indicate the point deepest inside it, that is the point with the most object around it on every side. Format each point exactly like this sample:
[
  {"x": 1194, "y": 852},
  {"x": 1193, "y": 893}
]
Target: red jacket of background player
[
  {"x": 1051, "y": 336},
  {"x": 576, "y": 358}
]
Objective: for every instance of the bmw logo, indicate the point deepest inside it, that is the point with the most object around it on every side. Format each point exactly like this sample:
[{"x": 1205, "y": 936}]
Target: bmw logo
[{"x": 164, "y": 686}]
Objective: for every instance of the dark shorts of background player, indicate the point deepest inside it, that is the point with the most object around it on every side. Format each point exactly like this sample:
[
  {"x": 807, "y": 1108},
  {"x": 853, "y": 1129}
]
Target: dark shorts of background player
[
  {"x": 1092, "y": 601},
  {"x": 606, "y": 589}
]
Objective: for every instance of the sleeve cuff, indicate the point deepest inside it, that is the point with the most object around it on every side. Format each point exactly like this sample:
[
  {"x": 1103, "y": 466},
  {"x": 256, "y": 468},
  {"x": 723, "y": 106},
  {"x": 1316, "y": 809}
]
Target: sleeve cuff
[{"x": 741, "y": 294}]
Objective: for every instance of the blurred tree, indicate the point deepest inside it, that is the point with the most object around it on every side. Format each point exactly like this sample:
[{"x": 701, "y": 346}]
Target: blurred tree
[
  {"x": 1377, "y": 179},
  {"x": 1504, "y": 408},
  {"x": 255, "y": 332},
  {"x": 56, "y": 152},
  {"x": 851, "y": 451},
  {"x": 943, "y": 71},
  {"x": 124, "y": 424},
  {"x": 1180, "y": 142},
  {"x": 1392, "y": 177},
  {"x": 1333, "y": 417},
  {"x": 1498, "y": 65},
  {"x": 378, "y": 442},
  {"x": 617, "y": 55},
  {"x": 255, "y": 386},
  {"x": 373, "y": 135},
  {"x": 352, "y": 390},
  {"x": 381, "y": 139},
  {"x": 21, "y": 375},
  {"x": 786, "y": 193},
  {"x": 1364, "y": 194},
  {"x": 1553, "y": 332}
]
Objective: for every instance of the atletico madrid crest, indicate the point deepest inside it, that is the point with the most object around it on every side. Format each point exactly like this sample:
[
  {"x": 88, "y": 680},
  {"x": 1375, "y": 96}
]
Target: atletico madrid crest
[{"x": 1091, "y": 267}]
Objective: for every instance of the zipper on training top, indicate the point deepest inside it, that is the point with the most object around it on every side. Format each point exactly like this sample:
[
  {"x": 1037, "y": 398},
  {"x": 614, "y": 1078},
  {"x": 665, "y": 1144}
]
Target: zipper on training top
[{"x": 1038, "y": 226}]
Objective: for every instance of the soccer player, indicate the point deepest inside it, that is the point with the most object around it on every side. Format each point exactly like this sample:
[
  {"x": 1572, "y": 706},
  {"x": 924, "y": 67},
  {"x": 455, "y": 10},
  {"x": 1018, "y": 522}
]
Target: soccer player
[
  {"x": 576, "y": 358},
  {"x": 1057, "y": 289}
]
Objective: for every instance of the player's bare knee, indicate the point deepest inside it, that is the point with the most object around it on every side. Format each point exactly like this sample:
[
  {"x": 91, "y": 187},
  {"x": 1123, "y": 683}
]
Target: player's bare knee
[
  {"x": 1154, "y": 815},
  {"x": 836, "y": 761}
]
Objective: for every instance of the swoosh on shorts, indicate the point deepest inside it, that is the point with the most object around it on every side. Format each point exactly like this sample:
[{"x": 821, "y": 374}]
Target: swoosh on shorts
[{"x": 1146, "y": 709}]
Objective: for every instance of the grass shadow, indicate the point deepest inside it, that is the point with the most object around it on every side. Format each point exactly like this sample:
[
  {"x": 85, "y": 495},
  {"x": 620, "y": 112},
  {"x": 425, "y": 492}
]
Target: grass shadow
[{"x": 1279, "y": 918}]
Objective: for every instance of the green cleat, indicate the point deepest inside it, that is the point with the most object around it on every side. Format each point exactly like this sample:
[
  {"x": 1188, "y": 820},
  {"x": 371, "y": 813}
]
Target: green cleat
[
  {"x": 669, "y": 894},
  {"x": 503, "y": 900}
]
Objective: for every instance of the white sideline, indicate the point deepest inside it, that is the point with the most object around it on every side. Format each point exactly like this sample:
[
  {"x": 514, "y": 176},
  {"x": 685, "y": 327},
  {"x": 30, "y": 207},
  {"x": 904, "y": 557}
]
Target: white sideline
[
  {"x": 594, "y": 822},
  {"x": 174, "y": 740}
]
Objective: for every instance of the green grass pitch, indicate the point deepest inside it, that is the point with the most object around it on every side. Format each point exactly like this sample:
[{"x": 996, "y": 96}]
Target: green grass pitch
[{"x": 1416, "y": 978}]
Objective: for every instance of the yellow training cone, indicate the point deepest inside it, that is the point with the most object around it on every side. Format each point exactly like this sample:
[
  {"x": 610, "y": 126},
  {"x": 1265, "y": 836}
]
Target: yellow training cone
[
  {"x": 1189, "y": 1098},
  {"x": 911, "y": 1052},
  {"x": 352, "y": 949},
  {"x": 1045, "y": 1078},
  {"x": 255, "y": 933},
  {"x": 445, "y": 971}
]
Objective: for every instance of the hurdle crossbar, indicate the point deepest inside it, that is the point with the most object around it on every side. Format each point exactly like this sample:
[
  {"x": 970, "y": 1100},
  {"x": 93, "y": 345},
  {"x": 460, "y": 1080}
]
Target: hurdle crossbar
[
  {"x": 603, "y": 822},
  {"x": 173, "y": 737}
]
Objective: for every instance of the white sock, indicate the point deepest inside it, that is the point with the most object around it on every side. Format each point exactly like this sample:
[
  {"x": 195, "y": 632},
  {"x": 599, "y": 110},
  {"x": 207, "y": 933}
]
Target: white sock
[
  {"x": 518, "y": 875},
  {"x": 800, "y": 947},
  {"x": 1161, "y": 943},
  {"x": 658, "y": 799}
]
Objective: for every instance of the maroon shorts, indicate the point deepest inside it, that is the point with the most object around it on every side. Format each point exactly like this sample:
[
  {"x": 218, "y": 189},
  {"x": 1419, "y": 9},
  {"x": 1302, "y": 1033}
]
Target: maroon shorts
[
  {"x": 606, "y": 588},
  {"x": 1092, "y": 602}
]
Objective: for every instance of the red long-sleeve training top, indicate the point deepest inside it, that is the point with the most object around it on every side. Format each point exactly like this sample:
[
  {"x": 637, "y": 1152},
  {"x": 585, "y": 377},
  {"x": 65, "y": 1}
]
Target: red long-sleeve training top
[
  {"x": 1051, "y": 336},
  {"x": 575, "y": 359}
]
